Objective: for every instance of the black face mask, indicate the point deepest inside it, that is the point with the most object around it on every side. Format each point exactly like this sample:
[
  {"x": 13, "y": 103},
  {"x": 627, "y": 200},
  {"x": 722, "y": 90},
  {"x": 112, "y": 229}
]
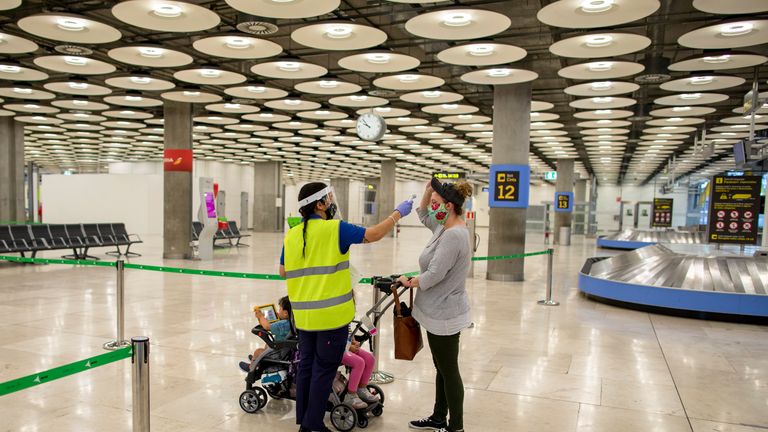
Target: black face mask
[{"x": 330, "y": 211}]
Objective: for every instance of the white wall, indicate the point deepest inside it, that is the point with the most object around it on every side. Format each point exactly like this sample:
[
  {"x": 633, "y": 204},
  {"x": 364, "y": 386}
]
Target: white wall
[
  {"x": 233, "y": 179},
  {"x": 136, "y": 200},
  {"x": 608, "y": 206}
]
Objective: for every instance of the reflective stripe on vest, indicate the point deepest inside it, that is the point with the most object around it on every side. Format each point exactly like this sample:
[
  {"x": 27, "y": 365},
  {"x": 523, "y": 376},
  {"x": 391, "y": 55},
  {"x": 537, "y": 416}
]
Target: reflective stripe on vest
[
  {"x": 311, "y": 271},
  {"x": 318, "y": 276},
  {"x": 321, "y": 304}
]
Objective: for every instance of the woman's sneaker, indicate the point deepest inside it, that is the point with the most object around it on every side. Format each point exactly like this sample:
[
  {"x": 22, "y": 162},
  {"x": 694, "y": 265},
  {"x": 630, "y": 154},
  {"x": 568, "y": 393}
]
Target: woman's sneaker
[
  {"x": 367, "y": 396},
  {"x": 355, "y": 401},
  {"x": 427, "y": 423}
]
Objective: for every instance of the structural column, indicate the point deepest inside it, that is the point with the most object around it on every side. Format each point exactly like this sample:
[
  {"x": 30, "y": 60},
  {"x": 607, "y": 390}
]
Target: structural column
[
  {"x": 511, "y": 141},
  {"x": 341, "y": 188},
  {"x": 11, "y": 170},
  {"x": 580, "y": 191},
  {"x": 385, "y": 194},
  {"x": 177, "y": 185},
  {"x": 268, "y": 197},
  {"x": 564, "y": 184}
]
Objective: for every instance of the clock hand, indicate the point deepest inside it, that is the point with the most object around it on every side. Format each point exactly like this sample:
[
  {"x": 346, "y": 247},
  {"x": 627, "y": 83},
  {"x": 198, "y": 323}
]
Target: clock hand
[{"x": 365, "y": 123}]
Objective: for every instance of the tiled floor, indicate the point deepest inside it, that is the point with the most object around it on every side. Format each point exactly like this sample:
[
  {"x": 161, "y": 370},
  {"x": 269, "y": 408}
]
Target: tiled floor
[{"x": 582, "y": 366}]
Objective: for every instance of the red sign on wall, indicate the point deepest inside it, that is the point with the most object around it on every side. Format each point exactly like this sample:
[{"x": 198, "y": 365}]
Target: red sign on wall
[{"x": 177, "y": 160}]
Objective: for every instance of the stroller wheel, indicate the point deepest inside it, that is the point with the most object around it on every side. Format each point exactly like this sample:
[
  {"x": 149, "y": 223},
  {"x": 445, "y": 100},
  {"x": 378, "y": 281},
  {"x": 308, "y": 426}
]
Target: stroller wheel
[
  {"x": 252, "y": 401},
  {"x": 362, "y": 422},
  {"x": 343, "y": 417},
  {"x": 273, "y": 392},
  {"x": 376, "y": 390},
  {"x": 378, "y": 410}
]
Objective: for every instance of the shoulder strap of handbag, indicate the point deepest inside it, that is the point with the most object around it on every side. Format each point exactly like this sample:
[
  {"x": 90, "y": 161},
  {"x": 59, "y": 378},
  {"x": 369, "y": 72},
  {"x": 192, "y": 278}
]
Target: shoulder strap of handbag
[{"x": 398, "y": 311}]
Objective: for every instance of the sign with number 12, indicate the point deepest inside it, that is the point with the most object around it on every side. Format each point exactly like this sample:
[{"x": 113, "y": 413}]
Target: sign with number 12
[{"x": 509, "y": 186}]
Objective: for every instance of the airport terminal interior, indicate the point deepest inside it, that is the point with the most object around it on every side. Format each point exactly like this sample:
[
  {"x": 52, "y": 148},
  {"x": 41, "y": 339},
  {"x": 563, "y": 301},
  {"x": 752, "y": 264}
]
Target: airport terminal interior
[{"x": 153, "y": 152}]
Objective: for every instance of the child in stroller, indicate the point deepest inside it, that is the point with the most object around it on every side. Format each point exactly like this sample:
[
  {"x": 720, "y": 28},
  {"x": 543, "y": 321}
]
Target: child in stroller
[
  {"x": 280, "y": 329},
  {"x": 276, "y": 368}
]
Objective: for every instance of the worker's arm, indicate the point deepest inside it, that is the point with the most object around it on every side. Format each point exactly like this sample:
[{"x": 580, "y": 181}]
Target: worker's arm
[{"x": 377, "y": 232}]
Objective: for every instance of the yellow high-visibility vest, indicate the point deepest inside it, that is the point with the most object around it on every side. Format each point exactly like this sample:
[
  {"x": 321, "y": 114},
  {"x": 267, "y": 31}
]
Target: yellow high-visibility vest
[{"x": 319, "y": 282}]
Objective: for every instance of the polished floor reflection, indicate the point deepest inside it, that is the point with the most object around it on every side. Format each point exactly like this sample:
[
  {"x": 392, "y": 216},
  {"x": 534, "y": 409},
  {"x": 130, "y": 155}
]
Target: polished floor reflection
[{"x": 582, "y": 366}]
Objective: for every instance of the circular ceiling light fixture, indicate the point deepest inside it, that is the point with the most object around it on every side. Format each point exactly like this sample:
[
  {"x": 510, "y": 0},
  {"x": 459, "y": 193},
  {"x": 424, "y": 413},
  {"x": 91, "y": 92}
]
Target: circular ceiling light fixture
[
  {"x": 596, "y": 6},
  {"x": 601, "y": 85},
  {"x": 600, "y": 66},
  {"x": 599, "y": 41},
  {"x": 432, "y": 94},
  {"x": 165, "y": 10},
  {"x": 238, "y": 43},
  {"x": 292, "y": 102},
  {"x": 717, "y": 59},
  {"x": 149, "y": 52},
  {"x": 681, "y": 108},
  {"x": 328, "y": 84},
  {"x": 289, "y": 66},
  {"x": 701, "y": 80},
  {"x": 210, "y": 73},
  {"x": 378, "y": 58},
  {"x": 77, "y": 85},
  {"x": 736, "y": 29},
  {"x": 256, "y": 89},
  {"x": 338, "y": 31},
  {"x": 358, "y": 98},
  {"x": 75, "y": 61},
  {"x": 499, "y": 73},
  {"x": 10, "y": 69},
  {"x": 457, "y": 19},
  {"x": 690, "y": 96},
  {"x": 140, "y": 80},
  {"x": 602, "y": 100},
  {"x": 408, "y": 78},
  {"x": 190, "y": 93},
  {"x": 70, "y": 24},
  {"x": 480, "y": 50}
]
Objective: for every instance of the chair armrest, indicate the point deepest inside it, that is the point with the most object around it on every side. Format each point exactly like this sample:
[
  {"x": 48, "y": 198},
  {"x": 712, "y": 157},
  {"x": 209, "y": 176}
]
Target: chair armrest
[{"x": 136, "y": 236}]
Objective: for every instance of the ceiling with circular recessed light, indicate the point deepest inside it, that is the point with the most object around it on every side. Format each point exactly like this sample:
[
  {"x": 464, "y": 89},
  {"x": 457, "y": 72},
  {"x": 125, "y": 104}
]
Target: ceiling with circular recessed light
[{"x": 623, "y": 86}]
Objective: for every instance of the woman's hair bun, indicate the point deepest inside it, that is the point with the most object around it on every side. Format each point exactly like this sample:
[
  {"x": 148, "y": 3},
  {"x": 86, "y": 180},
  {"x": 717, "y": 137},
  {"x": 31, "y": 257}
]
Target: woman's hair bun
[{"x": 463, "y": 188}]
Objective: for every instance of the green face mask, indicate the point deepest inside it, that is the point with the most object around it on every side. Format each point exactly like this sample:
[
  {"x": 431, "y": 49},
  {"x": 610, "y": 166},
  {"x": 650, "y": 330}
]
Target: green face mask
[{"x": 439, "y": 213}]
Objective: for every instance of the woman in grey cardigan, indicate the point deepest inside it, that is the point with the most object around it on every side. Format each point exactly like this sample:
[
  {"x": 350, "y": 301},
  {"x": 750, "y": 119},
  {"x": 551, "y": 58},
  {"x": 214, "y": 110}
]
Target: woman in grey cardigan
[{"x": 441, "y": 305}]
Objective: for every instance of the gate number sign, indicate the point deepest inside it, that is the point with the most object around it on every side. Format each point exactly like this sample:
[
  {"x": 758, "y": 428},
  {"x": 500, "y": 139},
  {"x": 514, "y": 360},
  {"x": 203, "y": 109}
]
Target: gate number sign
[
  {"x": 564, "y": 202},
  {"x": 509, "y": 186}
]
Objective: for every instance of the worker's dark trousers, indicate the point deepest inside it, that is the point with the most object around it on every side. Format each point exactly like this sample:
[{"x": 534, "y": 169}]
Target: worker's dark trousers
[{"x": 319, "y": 358}]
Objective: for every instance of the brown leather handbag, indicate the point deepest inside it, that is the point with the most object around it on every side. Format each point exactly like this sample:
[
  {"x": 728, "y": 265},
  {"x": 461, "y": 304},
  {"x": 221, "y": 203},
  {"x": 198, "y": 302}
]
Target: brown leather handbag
[{"x": 408, "y": 339}]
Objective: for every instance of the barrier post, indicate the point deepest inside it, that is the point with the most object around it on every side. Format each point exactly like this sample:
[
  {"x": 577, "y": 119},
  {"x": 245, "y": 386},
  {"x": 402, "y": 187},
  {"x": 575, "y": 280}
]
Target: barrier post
[
  {"x": 120, "y": 341},
  {"x": 548, "y": 301},
  {"x": 140, "y": 388},
  {"x": 378, "y": 376}
]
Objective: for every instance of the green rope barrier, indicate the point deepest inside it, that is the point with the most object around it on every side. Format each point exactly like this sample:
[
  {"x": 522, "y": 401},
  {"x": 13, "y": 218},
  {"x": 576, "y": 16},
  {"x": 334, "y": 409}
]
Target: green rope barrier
[
  {"x": 63, "y": 371},
  {"x": 204, "y": 272},
  {"x": 57, "y": 261},
  {"x": 238, "y": 275}
]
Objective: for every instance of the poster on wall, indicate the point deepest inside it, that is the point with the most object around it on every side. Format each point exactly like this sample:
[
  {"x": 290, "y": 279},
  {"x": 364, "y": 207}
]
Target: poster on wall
[
  {"x": 177, "y": 160},
  {"x": 734, "y": 207},
  {"x": 509, "y": 185},
  {"x": 564, "y": 202},
  {"x": 662, "y": 213}
]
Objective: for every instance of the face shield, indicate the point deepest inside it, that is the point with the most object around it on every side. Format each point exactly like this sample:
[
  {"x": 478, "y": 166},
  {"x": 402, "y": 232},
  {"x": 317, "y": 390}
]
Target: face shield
[{"x": 327, "y": 196}]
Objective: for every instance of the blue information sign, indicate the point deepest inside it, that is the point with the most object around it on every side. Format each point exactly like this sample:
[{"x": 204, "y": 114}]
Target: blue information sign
[
  {"x": 564, "y": 202},
  {"x": 509, "y": 186}
]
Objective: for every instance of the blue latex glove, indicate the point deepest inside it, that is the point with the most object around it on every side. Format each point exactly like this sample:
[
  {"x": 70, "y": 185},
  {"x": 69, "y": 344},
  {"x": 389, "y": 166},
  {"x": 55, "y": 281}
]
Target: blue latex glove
[{"x": 405, "y": 207}]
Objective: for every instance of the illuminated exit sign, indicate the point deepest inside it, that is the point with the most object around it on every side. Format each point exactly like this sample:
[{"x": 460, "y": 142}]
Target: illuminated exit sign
[{"x": 550, "y": 175}]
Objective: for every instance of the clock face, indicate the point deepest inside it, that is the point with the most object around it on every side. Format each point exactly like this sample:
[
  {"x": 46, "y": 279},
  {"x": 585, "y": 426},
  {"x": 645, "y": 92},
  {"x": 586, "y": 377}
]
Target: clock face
[{"x": 371, "y": 127}]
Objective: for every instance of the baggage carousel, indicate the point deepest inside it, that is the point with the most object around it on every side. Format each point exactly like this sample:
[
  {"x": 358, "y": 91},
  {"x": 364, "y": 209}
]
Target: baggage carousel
[
  {"x": 698, "y": 280},
  {"x": 633, "y": 238}
]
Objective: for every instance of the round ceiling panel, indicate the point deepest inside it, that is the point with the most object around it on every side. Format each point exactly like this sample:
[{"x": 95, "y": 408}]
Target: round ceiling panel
[
  {"x": 338, "y": 36},
  {"x": 237, "y": 46},
  {"x": 23, "y": 92},
  {"x": 287, "y": 9},
  {"x": 322, "y": 115},
  {"x": 702, "y": 83},
  {"x": 77, "y": 88},
  {"x": 408, "y": 81},
  {"x": 431, "y": 97},
  {"x": 357, "y": 101},
  {"x": 9, "y": 4},
  {"x": 10, "y": 44},
  {"x": 599, "y": 70},
  {"x": 685, "y": 99},
  {"x": 379, "y": 62},
  {"x": 256, "y": 91},
  {"x": 165, "y": 15},
  {"x": 232, "y": 108},
  {"x": 595, "y": 13},
  {"x": 541, "y": 106},
  {"x": 602, "y": 103},
  {"x": 132, "y": 100},
  {"x": 139, "y": 82},
  {"x": 386, "y": 111},
  {"x": 69, "y": 28},
  {"x": 602, "y": 88},
  {"x": 449, "y": 109},
  {"x": 725, "y": 8},
  {"x": 151, "y": 56},
  {"x": 80, "y": 104},
  {"x": 481, "y": 54},
  {"x": 292, "y": 104},
  {"x": 209, "y": 76},
  {"x": 607, "y": 114},
  {"x": 191, "y": 96},
  {"x": 327, "y": 86},
  {"x": 465, "y": 119},
  {"x": 735, "y": 34},
  {"x": 31, "y": 108},
  {"x": 719, "y": 61},
  {"x": 457, "y": 24},
  {"x": 597, "y": 45},
  {"x": 497, "y": 76},
  {"x": 289, "y": 69},
  {"x": 75, "y": 65},
  {"x": 12, "y": 72}
]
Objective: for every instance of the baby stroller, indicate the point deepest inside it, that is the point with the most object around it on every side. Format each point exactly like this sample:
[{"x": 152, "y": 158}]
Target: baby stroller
[{"x": 276, "y": 369}]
